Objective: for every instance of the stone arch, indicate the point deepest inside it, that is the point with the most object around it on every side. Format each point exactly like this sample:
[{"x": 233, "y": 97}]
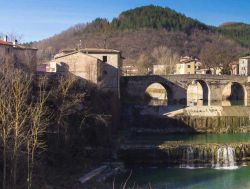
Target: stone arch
[
  {"x": 234, "y": 94},
  {"x": 158, "y": 93},
  {"x": 198, "y": 93}
]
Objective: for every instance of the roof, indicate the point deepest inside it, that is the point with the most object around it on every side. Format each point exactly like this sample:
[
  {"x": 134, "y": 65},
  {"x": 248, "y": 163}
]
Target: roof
[
  {"x": 96, "y": 50},
  {"x": 10, "y": 44},
  {"x": 92, "y": 50},
  {"x": 186, "y": 62},
  {"x": 61, "y": 55},
  {"x": 246, "y": 57},
  {"x": 187, "y": 59},
  {"x": 2, "y": 42}
]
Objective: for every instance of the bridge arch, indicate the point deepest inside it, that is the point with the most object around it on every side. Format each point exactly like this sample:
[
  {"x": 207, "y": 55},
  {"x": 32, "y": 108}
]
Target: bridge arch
[
  {"x": 234, "y": 94},
  {"x": 198, "y": 93},
  {"x": 158, "y": 93}
]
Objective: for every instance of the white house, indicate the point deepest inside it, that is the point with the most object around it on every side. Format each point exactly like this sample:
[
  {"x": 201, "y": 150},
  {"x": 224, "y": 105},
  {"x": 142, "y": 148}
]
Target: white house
[{"x": 244, "y": 66}]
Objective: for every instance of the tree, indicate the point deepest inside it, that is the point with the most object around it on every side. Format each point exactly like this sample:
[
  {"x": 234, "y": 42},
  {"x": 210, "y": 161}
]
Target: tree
[
  {"x": 22, "y": 122},
  {"x": 165, "y": 56},
  {"x": 218, "y": 53},
  {"x": 37, "y": 127},
  {"x": 144, "y": 64}
]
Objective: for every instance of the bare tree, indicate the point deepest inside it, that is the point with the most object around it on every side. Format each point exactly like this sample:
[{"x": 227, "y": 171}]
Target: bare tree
[
  {"x": 163, "y": 55},
  {"x": 5, "y": 117},
  {"x": 37, "y": 127},
  {"x": 144, "y": 64}
]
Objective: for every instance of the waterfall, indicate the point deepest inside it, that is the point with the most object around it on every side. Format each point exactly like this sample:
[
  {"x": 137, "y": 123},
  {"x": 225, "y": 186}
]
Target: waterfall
[
  {"x": 221, "y": 157},
  {"x": 225, "y": 158}
]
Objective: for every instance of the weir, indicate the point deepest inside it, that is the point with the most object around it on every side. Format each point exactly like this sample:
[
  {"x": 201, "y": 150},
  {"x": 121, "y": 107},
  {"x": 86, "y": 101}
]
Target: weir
[
  {"x": 217, "y": 156},
  {"x": 223, "y": 157}
]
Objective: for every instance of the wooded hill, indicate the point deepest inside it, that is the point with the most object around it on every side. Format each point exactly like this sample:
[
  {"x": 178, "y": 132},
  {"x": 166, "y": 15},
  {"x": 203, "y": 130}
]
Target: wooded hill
[{"x": 139, "y": 31}]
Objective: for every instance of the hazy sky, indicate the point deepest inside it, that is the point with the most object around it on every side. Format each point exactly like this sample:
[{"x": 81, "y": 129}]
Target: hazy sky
[{"x": 39, "y": 19}]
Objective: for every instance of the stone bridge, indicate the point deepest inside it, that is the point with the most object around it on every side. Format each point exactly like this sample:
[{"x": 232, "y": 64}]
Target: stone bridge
[{"x": 214, "y": 86}]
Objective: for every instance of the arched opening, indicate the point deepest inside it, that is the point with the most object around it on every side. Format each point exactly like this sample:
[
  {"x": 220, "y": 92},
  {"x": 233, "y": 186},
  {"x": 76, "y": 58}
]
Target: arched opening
[
  {"x": 157, "y": 95},
  {"x": 198, "y": 93},
  {"x": 233, "y": 95}
]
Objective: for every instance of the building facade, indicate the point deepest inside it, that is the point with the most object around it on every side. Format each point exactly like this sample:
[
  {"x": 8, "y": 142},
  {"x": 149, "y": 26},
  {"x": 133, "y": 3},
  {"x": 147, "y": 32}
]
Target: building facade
[
  {"x": 21, "y": 56},
  {"x": 98, "y": 66},
  {"x": 187, "y": 65},
  {"x": 244, "y": 66}
]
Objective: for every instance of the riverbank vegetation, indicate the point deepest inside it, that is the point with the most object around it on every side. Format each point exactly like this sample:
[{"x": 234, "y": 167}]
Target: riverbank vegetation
[{"x": 52, "y": 127}]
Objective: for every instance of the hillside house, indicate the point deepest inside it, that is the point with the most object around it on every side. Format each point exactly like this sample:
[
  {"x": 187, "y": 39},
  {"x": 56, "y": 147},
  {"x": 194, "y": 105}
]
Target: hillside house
[
  {"x": 187, "y": 65},
  {"x": 99, "y": 66},
  {"x": 22, "y": 56},
  {"x": 244, "y": 66}
]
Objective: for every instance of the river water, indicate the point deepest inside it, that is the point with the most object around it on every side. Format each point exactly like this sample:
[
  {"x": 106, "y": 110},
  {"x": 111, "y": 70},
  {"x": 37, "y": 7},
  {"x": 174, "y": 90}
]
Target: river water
[
  {"x": 192, "y": 138},
  {"x": 178, "y": 178},
  {"x": 223, "y": 174}
]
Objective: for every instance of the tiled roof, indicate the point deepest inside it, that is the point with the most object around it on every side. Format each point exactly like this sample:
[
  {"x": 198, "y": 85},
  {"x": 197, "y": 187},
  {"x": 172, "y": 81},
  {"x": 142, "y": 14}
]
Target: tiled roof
[{"x": 2, "y": 42}]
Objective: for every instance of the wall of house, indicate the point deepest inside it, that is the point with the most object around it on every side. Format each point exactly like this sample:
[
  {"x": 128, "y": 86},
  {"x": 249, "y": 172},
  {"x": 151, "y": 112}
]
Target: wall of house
[
  {"x": 110, "y": 71},
  {"x": 244, "y": 68},
  {"x": 180, "y": 69},
  {"x": 190, "y": 68},
  {"x": 185, "y": 68},
  {"x": 6, "y": 54},
  {"x": 80, "y": 65}
]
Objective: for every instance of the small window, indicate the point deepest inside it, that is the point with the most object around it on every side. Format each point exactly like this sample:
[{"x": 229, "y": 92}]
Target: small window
[
  {"x": 189, "y": 66},
  {"x": 104, "y": 58}
]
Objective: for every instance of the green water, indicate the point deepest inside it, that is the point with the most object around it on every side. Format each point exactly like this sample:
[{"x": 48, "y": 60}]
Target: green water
[
  {"x": 177, "y": 178},
  {"x": 181, "y": 178},
  {"x": 192, "y": 138}
]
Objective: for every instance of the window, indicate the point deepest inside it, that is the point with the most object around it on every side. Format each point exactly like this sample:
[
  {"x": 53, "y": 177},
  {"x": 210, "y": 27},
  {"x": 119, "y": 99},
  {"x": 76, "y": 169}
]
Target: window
[
  {"x": 189, "y": 66},
  {"x": 104, "y": 58}
]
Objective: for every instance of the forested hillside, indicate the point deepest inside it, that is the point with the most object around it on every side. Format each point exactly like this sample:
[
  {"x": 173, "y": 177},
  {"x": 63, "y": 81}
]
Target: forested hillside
[
  {"x": 141, "y": 31},
  {"x": 239, "y": 32}
]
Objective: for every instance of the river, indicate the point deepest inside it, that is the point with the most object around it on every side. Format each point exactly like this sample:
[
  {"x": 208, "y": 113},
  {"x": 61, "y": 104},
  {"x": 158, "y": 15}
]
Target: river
[
  {"x": 182, "y": 178},
  {"x": 224, "y": 168}
]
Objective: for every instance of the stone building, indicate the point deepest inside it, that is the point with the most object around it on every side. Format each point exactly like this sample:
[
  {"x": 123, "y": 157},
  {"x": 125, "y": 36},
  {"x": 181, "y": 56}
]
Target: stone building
[
  {"x": 187, "y": 65},
  {"x": 244, "y": 66},
  {"x": 22, "y": 56},
  {"x": 99, "y": 66},
  {"x": 234, "y": 68}
]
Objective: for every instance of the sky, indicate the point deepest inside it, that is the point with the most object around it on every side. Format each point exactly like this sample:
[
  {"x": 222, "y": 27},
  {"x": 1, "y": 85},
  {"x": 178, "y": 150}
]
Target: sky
[{"x": 35, "y": 20}]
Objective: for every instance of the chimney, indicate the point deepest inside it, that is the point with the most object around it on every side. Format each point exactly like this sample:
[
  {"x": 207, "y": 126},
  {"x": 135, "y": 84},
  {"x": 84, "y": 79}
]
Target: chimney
[
  {"x": 15, "y": 42},
  {"x": 6, "y": 38}
]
